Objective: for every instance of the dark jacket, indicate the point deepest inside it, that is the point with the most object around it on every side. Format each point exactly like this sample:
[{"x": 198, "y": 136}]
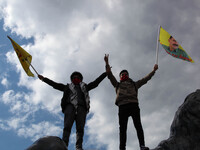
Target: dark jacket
[
  {"x": 65, "y": 88},
  {"x": 127, "y": 90}
]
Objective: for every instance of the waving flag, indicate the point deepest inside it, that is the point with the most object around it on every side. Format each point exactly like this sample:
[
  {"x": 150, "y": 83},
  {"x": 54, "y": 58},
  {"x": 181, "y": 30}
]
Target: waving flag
[
  {"x": 172, "y": 47},
  {"x": 24, "y": 57}
]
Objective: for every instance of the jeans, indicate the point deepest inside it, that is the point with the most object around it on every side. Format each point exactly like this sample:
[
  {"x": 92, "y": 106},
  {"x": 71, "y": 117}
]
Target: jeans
[
  {"x": 125, "y": 111},
  {"x": 79, "y": 116}
]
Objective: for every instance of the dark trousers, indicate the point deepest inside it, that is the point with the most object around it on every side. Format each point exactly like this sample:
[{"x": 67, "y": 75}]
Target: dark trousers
[
  {"x": 125, "y": 111},
  {"x": 79, "y": 116}
]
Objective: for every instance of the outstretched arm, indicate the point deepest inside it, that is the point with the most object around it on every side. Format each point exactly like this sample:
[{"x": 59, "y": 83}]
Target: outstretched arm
[
  {"x": 58, "y": 86},
  {"x": 147, "y": 78},
  {"x": 109, "y": 72},
  {"x": 96, "y": 82}
]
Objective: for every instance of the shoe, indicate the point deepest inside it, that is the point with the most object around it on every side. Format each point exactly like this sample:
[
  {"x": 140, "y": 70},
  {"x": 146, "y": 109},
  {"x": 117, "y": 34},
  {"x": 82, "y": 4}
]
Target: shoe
[{"x": 144, "y": 148}]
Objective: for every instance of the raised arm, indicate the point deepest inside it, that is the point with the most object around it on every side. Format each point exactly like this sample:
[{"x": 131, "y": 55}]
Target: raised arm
[
  {"x": 144, "y": 80},
  {"x": 109, "y": 72},
  {"x": 96, "y": 82},
  {"x": 58, "y": 86}
]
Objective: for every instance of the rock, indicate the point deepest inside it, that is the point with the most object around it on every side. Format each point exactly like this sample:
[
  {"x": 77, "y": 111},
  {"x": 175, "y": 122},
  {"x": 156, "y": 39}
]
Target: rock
[
  {"x": 48, "y": 143},
  {"x": 185, "y": 128}
]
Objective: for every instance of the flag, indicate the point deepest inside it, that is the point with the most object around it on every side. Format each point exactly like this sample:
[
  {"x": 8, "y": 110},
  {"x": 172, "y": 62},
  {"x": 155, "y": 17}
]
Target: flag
[
  {"x": 24, "y": 57},
  {"x": 172, "y": 47}
]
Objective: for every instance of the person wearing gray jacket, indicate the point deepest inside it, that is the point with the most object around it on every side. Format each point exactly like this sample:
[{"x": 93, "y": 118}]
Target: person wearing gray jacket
[
  {"x": 127, "y": 101},
  {"x": 75, "y": 103}
]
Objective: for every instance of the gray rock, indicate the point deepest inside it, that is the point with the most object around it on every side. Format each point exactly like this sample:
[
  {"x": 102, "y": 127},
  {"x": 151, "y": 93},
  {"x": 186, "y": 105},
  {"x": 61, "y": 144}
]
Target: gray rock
[
  {"x": 185, "y": 128},
  {"x": 48, "y": 143}
]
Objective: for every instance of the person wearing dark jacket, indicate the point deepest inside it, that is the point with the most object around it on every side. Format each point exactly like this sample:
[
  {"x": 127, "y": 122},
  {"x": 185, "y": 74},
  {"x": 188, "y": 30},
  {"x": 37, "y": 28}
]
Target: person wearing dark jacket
[
  {"x": 127, "y": 101},
  {"x": 75, "y": 104}
]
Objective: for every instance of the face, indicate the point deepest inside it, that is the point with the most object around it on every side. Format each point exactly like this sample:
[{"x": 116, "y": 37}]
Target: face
[
  {"x": 123, "y": 73},
  {"x": 124, "y": 76},
  {"x": 76, "y": 77},
  {"x": 173, "y": 44}
]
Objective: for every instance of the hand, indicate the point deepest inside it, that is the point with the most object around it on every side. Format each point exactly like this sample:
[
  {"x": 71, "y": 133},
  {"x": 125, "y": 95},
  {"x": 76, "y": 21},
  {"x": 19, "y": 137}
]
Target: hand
[
  {"x": 106, "y": 58},
  {"x": 108, "y": 68},
  {"x": 155, "y": 67},
  {"x": 40, "y": 77}
]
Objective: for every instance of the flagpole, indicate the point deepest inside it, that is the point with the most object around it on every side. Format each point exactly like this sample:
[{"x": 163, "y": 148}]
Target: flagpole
[
  {"x": 157, "y": 46},
  {"x": 32, "y": 66}
]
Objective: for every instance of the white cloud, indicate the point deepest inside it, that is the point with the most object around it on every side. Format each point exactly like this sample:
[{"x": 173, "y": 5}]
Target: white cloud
[
  {"x": 5, "y": 82},
  {"x": 102, "y": 125},
  {"x": 3, "y": 126},
  {"x": 14, "y": 123},
  {"x": 36, "y": 131},
  {"x": 6, "y": 97},
  {"x": 32, "y": 131},
  {"x": 23, "y": 117}
]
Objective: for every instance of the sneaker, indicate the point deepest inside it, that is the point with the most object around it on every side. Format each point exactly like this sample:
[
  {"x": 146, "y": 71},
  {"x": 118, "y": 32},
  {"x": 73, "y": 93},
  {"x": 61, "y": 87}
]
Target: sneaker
[{"x": 144, "y": 148}]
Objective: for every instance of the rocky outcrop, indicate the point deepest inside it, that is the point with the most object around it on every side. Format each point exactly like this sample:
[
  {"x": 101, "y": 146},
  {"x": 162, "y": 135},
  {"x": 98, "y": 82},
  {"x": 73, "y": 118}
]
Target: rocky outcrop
[
  {"x": 185, "y": 128},
  {"x": 48, "y": 143}
]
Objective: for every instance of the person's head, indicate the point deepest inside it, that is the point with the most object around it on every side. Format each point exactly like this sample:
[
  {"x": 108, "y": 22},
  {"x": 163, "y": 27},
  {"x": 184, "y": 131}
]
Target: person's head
[
  {"x": 76, "y": 77},
  {"x": 173, "y": 44},
  {"x": 123, "y": 75}
]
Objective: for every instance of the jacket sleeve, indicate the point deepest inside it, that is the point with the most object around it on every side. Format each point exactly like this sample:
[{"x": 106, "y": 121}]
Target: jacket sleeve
[
  {"x": 57, "y": 86},
  {"x": 144, "y": 80},
  {"x": 96, "y": 82},
  {"x": 112, "y": 79}
]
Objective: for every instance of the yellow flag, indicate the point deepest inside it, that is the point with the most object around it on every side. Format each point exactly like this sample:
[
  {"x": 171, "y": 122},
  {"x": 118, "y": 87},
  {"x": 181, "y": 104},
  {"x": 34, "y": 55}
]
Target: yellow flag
[
  {"x": 24, "y": 57},
  {"x": 172, "y": 47}
]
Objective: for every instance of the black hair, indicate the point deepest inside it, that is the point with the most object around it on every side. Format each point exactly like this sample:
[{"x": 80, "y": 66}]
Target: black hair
[
  {"x": 76, "y": 73},
  {"x": 123, "y": 72}
]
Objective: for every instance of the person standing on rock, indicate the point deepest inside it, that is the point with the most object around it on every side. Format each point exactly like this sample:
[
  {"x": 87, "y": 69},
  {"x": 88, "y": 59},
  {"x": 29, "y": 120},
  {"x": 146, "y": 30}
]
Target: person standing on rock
[
  {"x": 75, "y": 103},
  {"x": 127, "y": 101}
]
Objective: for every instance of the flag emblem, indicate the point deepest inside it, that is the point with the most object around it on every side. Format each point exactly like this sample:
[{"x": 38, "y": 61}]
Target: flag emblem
[
  {"x": 24, "y": 57},
  {"x": 172, "y": 47}
]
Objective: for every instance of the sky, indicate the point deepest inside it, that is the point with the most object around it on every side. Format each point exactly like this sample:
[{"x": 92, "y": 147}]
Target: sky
[{"x": 64, "y": 36}]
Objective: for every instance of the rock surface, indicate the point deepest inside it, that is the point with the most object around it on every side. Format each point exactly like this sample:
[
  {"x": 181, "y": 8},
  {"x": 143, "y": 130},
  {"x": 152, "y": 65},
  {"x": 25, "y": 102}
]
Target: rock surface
[
  {"x": 185, "y": 128},
  {"x": 48, "y": 143}
]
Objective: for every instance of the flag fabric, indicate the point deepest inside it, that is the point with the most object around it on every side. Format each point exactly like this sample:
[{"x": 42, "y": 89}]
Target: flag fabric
[
  {"x": 172, "y": 47},
  {"x": 24, "y": 57}
]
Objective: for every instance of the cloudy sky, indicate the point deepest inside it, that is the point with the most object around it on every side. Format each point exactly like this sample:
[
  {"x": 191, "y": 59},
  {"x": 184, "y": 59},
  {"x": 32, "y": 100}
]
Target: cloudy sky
[{"x": 64, "y": 36}]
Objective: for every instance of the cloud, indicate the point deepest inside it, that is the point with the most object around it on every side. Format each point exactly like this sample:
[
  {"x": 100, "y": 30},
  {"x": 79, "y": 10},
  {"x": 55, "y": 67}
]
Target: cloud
[
  {"x": 33, "y": 131},
  {"x": 5, "y": 82},
  {"x": 102, "y": 125},
  {"x": 36, "y": 131},
  {"x": 23, "y": 117},
  {"x": 71, "y": 36},
  {"x": 6, "y": 97}
]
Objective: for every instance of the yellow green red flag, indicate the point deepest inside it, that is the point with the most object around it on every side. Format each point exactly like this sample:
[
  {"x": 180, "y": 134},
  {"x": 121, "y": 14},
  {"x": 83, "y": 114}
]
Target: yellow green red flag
[
  {"x": 172, "y": 47},
  {"x": 24, "y": 57}
]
